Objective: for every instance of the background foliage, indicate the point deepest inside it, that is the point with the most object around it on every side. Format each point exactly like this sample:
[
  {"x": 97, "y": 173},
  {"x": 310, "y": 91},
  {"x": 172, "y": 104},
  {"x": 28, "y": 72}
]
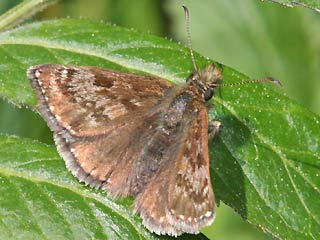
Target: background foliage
[{"x": 258, "y": 38}]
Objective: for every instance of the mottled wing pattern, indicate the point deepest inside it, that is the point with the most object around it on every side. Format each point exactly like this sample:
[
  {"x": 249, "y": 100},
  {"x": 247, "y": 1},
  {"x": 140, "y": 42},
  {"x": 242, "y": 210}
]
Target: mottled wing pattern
[
  {"x": 108, "y": 161},
  {"x": 180, "y": 197},
  {"x": 88, "y": 101},
  {"x": 97, "y": 116},
  {"x": 132, "y": 135},
  {"x": 191, "y": 200}
]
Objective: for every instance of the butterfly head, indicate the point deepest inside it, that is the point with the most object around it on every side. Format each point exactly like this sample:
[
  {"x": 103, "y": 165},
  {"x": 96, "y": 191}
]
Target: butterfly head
[
  {"x": 211, "y": 76},
  {"x": 206, "y": 80}
]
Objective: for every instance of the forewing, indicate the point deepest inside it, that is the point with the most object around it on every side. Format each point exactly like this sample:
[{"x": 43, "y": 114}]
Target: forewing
[
  {"x": 97, "y": 116},
  {"x": 180, "y": 197},
  {"x": 89, "y": 101}
]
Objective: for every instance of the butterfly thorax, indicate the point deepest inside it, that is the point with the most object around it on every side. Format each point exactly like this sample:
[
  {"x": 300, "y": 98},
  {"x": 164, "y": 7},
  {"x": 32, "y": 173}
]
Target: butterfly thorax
[{"x": 199, "y": 89}]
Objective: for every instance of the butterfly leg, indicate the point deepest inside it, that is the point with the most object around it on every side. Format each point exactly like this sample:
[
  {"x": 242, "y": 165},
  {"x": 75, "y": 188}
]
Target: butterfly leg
[{"x": 213, "y": 129}]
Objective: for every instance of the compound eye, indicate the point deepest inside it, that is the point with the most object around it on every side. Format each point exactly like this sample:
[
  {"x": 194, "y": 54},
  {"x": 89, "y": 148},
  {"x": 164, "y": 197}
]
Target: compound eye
[{"x": 208, "y": 94}]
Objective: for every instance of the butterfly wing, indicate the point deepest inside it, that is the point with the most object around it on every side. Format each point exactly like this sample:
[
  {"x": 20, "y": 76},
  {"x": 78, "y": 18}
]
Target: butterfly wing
[
  {"x": 191, "y": 200},
  {"x": 97, "y": 116},
  {"x": 180, "y": 197},
  {"x": 89, "y": 101}
]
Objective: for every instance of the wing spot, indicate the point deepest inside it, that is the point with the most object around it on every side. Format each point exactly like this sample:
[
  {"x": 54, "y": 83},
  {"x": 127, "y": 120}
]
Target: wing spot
[
  {"x": 37, "y": 74},
  {"x": 165, "y": 131},
  {"x": 208, "y": 214},
  {"x": 188, "y": 144},
  {"x": 115, "y": 111},
  {"x": 88, "y": 104},
  {"x": 205, "y": 191},
  {"x": 71, "y": 130},
  {"x": 198, "y": 151},
  {"x": 135, "y": 102},
  {"x": 64, "y": 74}
]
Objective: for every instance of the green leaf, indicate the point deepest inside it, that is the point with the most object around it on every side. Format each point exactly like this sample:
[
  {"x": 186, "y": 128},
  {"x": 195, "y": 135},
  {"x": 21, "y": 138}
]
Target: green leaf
[
  {"x": 41, "y": 200},
  {"x": 312, "y": 4},
  {"x": 265, "y": 161}
]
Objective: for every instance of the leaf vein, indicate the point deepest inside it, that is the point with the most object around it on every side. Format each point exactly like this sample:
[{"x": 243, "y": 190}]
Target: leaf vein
[
  {"x": 56, "y": 207},
  {"x": 28, "y": 207},
  {"x": 268, "y": 144},
  {"x": 263, "y": 199},
  {"x": 105, "y": 201}
]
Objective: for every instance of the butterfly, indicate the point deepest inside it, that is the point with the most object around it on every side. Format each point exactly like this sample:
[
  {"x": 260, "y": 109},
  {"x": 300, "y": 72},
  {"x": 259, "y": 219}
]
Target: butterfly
[{"x": 134, "y": 135}]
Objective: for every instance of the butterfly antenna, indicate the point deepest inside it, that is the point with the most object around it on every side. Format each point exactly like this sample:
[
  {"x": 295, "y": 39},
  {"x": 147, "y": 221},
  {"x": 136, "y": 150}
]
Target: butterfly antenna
[
  {"x": 268, "y": 79},
  {"x": 187, "y": 19}
]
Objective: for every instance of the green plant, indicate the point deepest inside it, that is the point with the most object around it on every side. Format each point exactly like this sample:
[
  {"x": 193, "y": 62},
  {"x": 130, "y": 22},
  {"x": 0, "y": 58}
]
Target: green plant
[{"x": 269, "y": 175}]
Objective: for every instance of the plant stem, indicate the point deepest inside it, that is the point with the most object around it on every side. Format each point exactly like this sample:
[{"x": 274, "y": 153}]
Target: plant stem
[{"x": 21, "y": 12}]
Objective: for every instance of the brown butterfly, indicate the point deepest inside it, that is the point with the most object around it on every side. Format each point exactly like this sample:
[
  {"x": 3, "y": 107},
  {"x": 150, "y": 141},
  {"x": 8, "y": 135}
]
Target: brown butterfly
[{"x": 135, "y": 135}]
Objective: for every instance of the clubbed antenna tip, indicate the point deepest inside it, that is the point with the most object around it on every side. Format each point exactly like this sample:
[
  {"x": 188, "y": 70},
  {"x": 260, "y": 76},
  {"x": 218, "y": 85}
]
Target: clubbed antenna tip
[
  {"x": 185, "y": 7},
  {"x": 276, "y": 81}
]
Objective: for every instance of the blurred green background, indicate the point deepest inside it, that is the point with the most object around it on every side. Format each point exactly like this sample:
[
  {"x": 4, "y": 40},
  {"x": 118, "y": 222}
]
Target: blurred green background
[{"x": 254, "y": 37}]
